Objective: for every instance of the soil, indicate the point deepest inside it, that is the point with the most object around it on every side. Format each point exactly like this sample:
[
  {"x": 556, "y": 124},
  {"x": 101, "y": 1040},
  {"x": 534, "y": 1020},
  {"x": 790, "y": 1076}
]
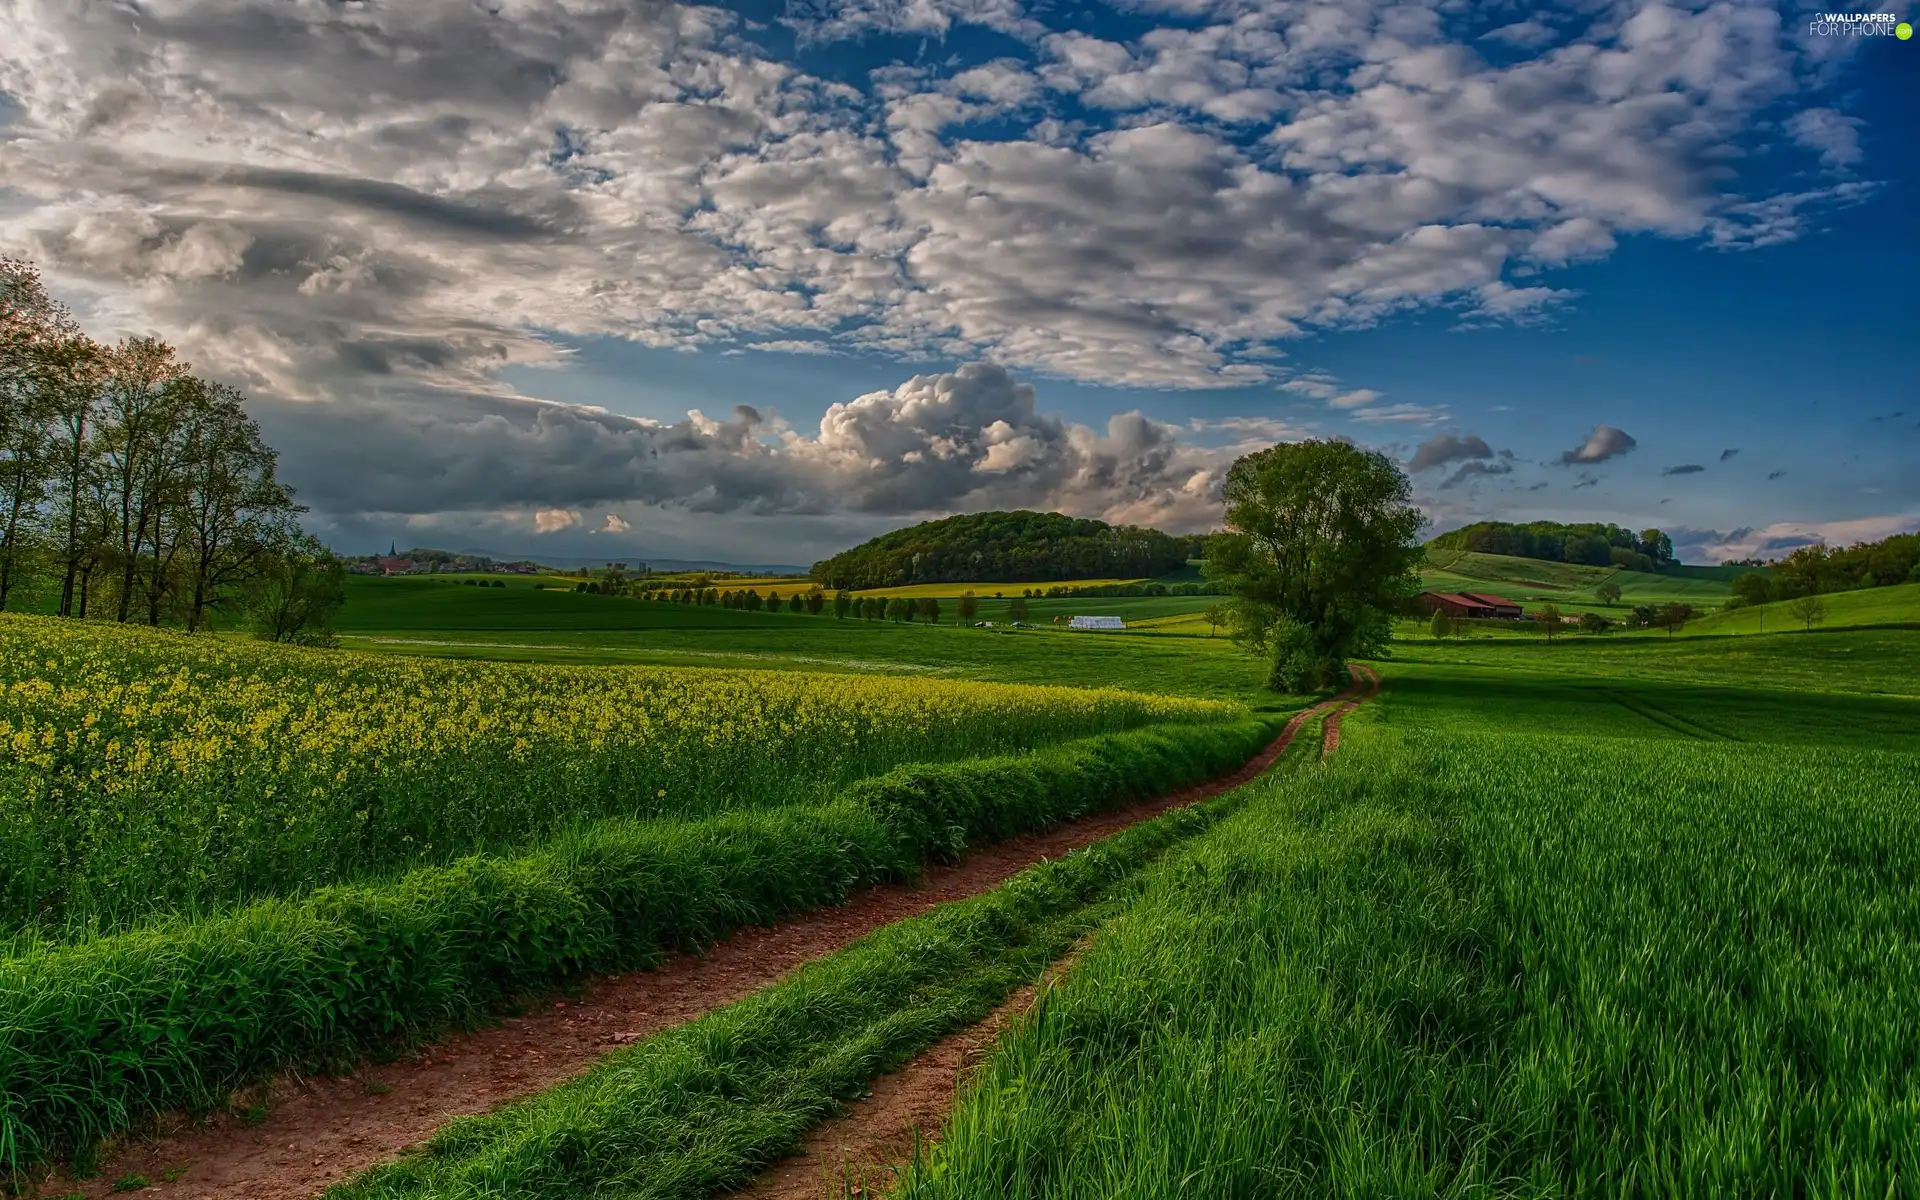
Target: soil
[
  {"x": 310, "y": 1132},
  {"x": 862, "y": 1152}
]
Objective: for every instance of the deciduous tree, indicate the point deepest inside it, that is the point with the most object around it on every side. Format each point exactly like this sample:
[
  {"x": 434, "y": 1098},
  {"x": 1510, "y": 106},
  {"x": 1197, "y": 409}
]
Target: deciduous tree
[{"x": 1320, "y": 550}]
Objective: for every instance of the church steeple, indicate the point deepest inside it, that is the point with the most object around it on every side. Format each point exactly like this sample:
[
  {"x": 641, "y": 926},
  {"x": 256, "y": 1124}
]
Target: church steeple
[{"x": 393, "y": 549}]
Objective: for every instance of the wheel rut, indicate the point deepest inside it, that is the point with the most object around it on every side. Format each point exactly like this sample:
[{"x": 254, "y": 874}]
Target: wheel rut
[
  {"x": 861, "y": 1152},
  {"x": 316, "y": 1131}
]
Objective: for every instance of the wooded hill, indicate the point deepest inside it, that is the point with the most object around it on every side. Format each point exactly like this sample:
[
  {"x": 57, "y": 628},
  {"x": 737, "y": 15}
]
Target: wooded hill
[
  {"x": 1006, "y": 547},
  {"x": 1590, "y": 544}
]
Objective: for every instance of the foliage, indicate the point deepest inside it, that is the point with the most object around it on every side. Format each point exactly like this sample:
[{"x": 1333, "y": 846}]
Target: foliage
[
  {"x": 1594, "y": 623},
  {"x": 968, "y": 609},
  {"x": 149, "y": 770},
  {"x": 1675, "y": 617},
  {"x": 1547, "y": 621},
  {"x": 983, "y": 547},
  {"x": 1812, "y": 569},
  {"x": 1751, "y": 588},
  {"x": 1809, "y": 610},
  {"x": 128, "y": 485},
  {"x": 1594, "y": 544},
  {"x": 1608, "y": 593},
  {"x": 299, "y": 588},
  {"x": 102, "y": 1031},
  {"x": 1320, "y": 550}
]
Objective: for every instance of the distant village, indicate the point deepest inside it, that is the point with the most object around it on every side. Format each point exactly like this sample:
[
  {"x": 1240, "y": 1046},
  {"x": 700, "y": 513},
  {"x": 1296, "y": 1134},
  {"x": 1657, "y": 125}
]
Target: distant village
[{"x": 434, "y": 562}]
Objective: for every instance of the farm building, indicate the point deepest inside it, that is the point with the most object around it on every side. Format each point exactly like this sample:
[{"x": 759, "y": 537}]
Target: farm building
[
  {"x": 1096, "y": 623},
  {"x": 1469, "y": 604}
]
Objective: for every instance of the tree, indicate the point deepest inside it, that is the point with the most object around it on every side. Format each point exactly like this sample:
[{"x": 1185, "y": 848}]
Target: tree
[
  {"x": 231, "y": 509},
  {"x": 816, "y": 600},
  {"x": 1017, "y": 609},
  {"x": 774, "y": 603},
  {"x": 1645, "y": 615},
  {"x": 930, "y": 609},
  {"x": 1216, "y": 617},
  {"x": 1608, "y": 593},
  {"x": 842, "y": 603},
  {"x": 296, "y": 594},
  {"x": 1439, "y": 627},
  {"x": 1594, "y": 623},
  {"x": 899, "y": 609},
  {"x": 1751, "y": 588},
  {"x": 1675, "y": 617},
  {"x": 1319, "y": 552},
  {"x": 1809, "y": 610},
  {"x": 969, "y": 608},
  {"x": 32, "y": 325},
  {"x": 796, "y": 603},
  {"x": 1547, "y": 620}
]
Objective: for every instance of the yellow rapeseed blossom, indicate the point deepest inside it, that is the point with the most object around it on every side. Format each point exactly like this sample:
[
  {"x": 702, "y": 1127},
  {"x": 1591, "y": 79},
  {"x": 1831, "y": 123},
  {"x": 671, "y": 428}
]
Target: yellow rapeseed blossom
[{"x": 145, "y": 766}]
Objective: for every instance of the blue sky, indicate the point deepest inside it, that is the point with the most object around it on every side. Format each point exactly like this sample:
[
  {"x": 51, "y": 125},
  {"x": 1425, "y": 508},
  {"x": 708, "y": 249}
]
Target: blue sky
[{"x": 476, "y": 269}]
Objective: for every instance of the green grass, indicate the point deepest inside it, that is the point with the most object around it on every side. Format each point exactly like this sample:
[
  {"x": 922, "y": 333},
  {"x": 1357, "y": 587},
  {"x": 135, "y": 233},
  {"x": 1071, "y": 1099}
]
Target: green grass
[
  {"x": 705, "y": 1106},
  {"x": 97, "y": 1034},
  {"x": 1571, "y": 586},
  {"x": 1898, "y": 605},
  {"x": 1864, "y": 661},
  {"x": 1491, "y": 951}
]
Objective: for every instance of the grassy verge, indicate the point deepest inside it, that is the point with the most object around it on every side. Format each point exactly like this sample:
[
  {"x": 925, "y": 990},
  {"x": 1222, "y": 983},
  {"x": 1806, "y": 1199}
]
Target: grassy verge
[
  {"x": 1466, "y": 963},
  {"x": 708, "y": 1105},
  {"x": 98, "y": 1034}
]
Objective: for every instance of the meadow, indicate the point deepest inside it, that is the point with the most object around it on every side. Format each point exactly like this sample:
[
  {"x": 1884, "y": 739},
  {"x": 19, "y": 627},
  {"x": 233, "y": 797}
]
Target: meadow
[
  {"x": 1496, "y": 950},
  {"x": 1628, "y": 914}
]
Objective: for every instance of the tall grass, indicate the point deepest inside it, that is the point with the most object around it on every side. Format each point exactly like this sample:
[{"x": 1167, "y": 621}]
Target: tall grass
[
  {"x": 1462, "y": 964},
  {"x": 96, "y": 1034},
  {"x": 148, "y": 771},
  {"x": 705, "y": 1106}
]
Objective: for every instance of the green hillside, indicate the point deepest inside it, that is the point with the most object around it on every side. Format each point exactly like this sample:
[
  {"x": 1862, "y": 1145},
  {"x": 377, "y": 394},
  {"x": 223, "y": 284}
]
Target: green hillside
[
  {"x": 1899, "y": 605},
  {"x": 1570, "y": 586}
]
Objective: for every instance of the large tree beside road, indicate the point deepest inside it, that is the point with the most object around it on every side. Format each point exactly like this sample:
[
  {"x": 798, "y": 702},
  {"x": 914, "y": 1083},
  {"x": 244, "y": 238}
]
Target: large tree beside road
[{"x": 1321, "y": 548}]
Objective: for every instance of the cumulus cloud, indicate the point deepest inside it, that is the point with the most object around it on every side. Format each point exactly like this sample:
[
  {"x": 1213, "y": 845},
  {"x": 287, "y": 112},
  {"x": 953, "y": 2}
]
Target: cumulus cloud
[
  {"x": 1780, "y": 538},
  {"x": 1603, "y": 443},
  {"x": 1684, "y": 469},
  {"x": 1443, "y": 448},
  {"x": 1834, "y": 135},
  {"x": 1162, "y": 210},
  {"x": 973, "y": 438},
  {"x": 615, "y": 523}
]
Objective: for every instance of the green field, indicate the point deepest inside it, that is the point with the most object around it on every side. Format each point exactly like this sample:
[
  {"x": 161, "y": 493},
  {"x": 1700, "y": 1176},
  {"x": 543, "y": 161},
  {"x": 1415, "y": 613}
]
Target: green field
[
  {"x": 1571, "y": 586},
  {"x": 1533, "y": 933},
  {"x": 1543, "y": 882}
]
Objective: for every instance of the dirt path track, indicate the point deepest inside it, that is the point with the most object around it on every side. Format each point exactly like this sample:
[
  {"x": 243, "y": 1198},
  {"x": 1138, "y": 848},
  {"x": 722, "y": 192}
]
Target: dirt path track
[
  {"x": 319, "y": 1131},
  {"x": 860, "y": 1152}
]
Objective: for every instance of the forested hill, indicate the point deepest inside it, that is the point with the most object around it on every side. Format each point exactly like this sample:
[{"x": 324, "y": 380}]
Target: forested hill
[
  {"x": 1592, "y": 544},
  {"x": 1006, "y": 547}
]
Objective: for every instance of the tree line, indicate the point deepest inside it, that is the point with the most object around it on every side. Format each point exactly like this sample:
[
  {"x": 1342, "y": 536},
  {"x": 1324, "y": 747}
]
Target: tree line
[
  {"x": 133, "y": 490},
  {"x": 1814, "y": 570},
  {"x": 1589, "y": 544},
  {"x": 1006, "y": 547}
]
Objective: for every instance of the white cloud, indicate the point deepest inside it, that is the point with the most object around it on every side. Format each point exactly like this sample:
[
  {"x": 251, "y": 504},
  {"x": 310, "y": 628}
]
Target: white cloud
[
  {"x": 1782, "y": 537},
  {"x": 614, "y": 523},
  {"x": 553, "y": 520},
  {"x": 1603, "y": 443},
  {"x": 1834, "y": 135}
]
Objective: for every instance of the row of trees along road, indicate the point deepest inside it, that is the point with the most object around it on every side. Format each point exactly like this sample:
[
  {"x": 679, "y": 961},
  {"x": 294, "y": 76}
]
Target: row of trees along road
[{"x": 133, "y": 490}]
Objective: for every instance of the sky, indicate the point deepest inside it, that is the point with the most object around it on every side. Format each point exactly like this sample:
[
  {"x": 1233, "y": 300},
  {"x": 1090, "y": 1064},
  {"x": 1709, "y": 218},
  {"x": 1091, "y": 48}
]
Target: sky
[{"x": 585, "y": 278}]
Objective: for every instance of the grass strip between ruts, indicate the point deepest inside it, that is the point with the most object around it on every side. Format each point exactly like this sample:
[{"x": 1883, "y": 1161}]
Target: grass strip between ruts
[
  {"x": 709, "y": 1104},
  {"x": 97, "y": 1035}
]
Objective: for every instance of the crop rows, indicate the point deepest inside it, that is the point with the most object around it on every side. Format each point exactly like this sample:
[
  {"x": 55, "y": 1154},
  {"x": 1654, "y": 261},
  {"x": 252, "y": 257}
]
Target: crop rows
[
  {"x": 1469, "y": 963},
  {"x": 149, "y": 772}
]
